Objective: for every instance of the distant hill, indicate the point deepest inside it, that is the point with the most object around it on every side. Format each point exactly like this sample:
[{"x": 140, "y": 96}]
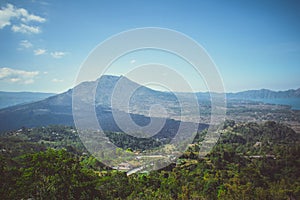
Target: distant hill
[
  {"x": 13, "y": 98},
  {"x": 265, "y": 94},
  {"x": 57, "y": 109}
]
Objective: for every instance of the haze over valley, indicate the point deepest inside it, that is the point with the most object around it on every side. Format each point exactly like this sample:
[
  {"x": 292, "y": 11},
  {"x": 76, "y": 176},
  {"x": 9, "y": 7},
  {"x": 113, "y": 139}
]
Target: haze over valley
[{"x": 57, "y": 109}]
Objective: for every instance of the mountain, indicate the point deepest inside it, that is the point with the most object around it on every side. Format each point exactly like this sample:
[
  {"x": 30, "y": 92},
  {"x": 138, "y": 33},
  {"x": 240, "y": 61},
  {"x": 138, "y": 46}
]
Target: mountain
[
  {"x": 13, "y": 98},
  {"x": 264, "y": 94},
  {"x": 141, "y": 102},
  {"x": 57, "y": 109}
]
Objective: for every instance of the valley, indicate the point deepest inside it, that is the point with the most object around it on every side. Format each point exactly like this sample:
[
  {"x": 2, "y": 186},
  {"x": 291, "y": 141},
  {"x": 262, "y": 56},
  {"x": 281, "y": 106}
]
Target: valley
[
  {"x": 249, "y": 160},
  {"x": 57, "y": 109},
  {"x": 253, "y": 153}
]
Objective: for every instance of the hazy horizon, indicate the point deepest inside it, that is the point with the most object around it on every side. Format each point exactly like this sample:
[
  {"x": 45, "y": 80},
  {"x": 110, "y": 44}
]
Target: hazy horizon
[{"x": 153, "y": 88}]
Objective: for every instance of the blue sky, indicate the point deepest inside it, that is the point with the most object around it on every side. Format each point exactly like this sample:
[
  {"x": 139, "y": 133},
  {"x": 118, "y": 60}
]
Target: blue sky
[{"x": 255, "y": 44}]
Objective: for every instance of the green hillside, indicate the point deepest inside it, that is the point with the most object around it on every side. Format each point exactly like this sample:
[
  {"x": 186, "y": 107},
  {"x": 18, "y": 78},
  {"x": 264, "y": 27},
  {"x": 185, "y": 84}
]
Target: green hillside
[{"x": 250, "y": 161}]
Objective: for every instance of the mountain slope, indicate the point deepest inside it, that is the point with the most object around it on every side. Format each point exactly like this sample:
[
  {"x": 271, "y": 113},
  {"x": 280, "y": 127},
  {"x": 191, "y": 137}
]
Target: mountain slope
[{"x": 58, "y": 109}]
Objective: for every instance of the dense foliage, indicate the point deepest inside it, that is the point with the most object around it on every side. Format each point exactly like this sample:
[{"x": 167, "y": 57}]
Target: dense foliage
[
  {"x": 250, "y": 161},
  {"x": 125, "y": 141}
]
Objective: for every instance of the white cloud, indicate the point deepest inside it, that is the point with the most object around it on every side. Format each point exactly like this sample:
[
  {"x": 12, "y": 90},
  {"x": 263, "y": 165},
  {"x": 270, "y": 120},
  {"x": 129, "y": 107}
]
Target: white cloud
[
  {"x": 10, "y": 12},
  {"x": 17, "y": 76},
  {"x": 6, "y": 14},
  {"x": 58, "y": 54},
  {"x": 26, "y": 17},
  {"x": 23, "y": 28},
  {"x": 25, "y": 44},
  {"x": 55, "y": 80},
  {"x": 38, "y": 52},
  {"x": 132, "y": 61},
  {"x": 14, "y": 80},
  {"x": 29, "y": 81}
]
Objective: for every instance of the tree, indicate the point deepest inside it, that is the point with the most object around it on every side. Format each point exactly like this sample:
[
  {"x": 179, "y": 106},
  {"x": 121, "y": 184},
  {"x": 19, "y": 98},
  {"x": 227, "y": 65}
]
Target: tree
[{"x": 55, "y": 174}]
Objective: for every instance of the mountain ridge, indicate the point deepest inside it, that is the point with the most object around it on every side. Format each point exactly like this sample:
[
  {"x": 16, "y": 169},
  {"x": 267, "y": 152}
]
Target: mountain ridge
[
  {"x": 265, "y": 93},
  {"x": 57, "y": 109},
  {"x": 253, "y": 93}
]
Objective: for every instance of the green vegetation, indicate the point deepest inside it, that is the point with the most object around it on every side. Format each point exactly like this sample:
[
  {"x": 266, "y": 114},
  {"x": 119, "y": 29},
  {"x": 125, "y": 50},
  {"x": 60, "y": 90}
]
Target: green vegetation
[
  {"x": 125, "y": 141},
  {"x": 250, "y": 161}
]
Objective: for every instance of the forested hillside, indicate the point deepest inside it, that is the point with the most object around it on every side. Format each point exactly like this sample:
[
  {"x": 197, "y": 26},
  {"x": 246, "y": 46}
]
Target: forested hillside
[{"x": 250, "y": 161}]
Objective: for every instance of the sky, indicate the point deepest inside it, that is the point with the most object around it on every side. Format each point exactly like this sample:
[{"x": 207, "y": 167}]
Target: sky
[{"x": 254, "y": 44}]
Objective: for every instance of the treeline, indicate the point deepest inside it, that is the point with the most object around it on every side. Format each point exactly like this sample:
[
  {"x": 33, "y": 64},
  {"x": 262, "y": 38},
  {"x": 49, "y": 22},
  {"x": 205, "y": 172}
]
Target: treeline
[{"x": 250, "y": 161}]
